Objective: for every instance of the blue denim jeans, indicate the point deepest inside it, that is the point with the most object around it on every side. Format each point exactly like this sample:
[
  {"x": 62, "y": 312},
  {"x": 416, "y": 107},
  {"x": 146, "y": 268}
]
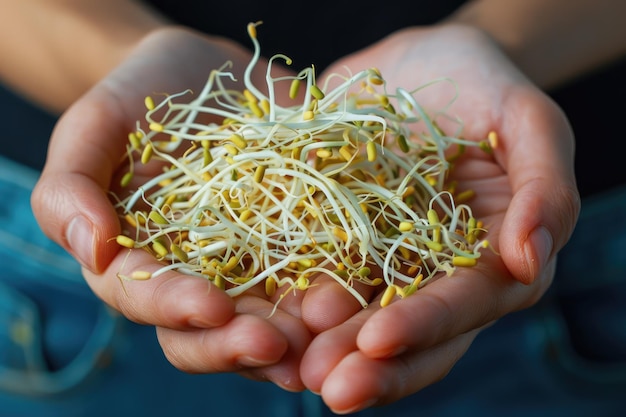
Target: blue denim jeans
[{"x": 64, "y": 353}]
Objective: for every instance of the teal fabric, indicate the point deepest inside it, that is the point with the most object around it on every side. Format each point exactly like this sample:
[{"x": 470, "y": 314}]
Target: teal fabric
[{"x": 63, "y": 353}]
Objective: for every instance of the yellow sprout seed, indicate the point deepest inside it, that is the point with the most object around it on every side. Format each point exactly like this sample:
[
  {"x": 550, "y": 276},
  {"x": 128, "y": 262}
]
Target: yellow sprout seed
[
  {"x": 371, "y": 151},
  {"x": 405, "y": 226},
  {"x": 233, "y": 150},
  {"x": 464, "y": 196},
  {"x": 126, "y": 179},
  {"x": 388, "y": 295},
  {"x": 149, "y": 103},
  {"x": 157, "y": 218},
  {"x": 207, "y": 158},
  {"x": 179, "y": 253},
  {"x": 245, "y": 215},
  {"x": 402, "y": 143},
  {"x": 256, "y": 109},
  {"x": 130, "y": 219},
  {"x": 339, "y": 181},
  {"x": 364, "y": 272},
  {"x": 159, "y": 248},
  {"x": 492, "y": 137},
  {"x": 259, "y": 173},
  {"x": 436, "y": 246},
  {"x": 463, "y": 261},
  {"x": 294, "y": 88},
  {"x": 266, "y": 107},
  {"x": 249, "y": 96},
  {"x": 157, "y": 127},
  {"x": 341, "y": 234},
  {"x": 219, "y": 282},
  {"x": 316, "y": 92},
  {"x": 345, "y": 153},
  {"x": 125, "y": 241},
  {"x": 270, "y": 287},
  {"x": 146, "y": 155},
  {"x": 433, "y": 220},
  {"x": 485, "y": 147},
  {"x": 238, "y": 141},
  {"x": 135, "y": 140},
  {"x": 232, "y": 263},
  {"x": 252, "y": 29},
  {"x": 140, "y": 275},
  {"x": 302, "y": 283},
  {"x": 377, "y": 281}
]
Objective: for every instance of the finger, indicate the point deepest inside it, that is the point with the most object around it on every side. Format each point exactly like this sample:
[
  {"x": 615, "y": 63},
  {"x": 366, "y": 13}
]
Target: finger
[
  {"x": 70, "y": 201},
  {"x": 286, "y": 372},
  {"x": 349, "y": 381},
  {"x": 359, "y": 382},
  {"x": 327, "y": 303},
  {"x": 170, "y": 300},
  {"x": 252, "y": 344},
  {"x": 537, "y": 152},
  {"x": 244, "y": 342},
  {"x": 469, "y": 299},
  {"x": 328, "y": 349}
]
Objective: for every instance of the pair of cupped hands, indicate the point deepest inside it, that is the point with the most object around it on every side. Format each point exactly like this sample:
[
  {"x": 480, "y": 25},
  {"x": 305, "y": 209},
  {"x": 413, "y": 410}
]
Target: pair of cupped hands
[{"x": 322, "y": 339}]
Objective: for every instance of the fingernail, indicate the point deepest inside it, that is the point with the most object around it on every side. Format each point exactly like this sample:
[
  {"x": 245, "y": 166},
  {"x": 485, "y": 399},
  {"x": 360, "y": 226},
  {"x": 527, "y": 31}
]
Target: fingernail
[
  {"x": 80, "y": 238},
  {"x": 398, "y": 350},
  {"x": 249, "y": 361},
  {"x": 200, "y": 323},
  {"x": 537, "y": 250},
  {"x": 387, "y": 353},
  {"x": 358, "y": 407}
]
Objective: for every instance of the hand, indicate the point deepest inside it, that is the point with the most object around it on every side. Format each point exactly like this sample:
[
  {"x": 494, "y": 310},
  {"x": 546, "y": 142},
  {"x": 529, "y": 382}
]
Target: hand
[
  {"x": 526, "y": 196},
  {"x": 200, "y": 328}
]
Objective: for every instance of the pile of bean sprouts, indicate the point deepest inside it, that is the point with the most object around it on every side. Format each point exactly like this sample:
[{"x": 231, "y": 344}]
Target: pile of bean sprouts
[{"x": 340, "y": 184}]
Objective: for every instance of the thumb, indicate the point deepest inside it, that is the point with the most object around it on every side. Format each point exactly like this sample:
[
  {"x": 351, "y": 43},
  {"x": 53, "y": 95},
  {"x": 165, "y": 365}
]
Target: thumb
[
  {"x": 70, "y": 200},
  {"x": 546, "y": 203}
]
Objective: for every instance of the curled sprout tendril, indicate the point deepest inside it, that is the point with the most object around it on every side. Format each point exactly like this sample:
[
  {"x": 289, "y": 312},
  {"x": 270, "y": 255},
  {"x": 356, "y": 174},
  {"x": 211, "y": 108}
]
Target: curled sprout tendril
[{"x": 341, "y": 184}]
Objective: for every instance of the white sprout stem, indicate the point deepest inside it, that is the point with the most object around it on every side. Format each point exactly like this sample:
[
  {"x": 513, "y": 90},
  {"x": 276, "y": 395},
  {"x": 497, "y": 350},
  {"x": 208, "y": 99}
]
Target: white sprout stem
[
  {"x": 281, "y": 194},
  {"x": 233, "y": 292}
]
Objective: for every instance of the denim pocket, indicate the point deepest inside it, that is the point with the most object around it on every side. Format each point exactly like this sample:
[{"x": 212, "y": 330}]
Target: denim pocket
[
  {"x": 588, "y": 324},
  {"x": 63, "y": 353},
  {"x": 45, "y": 346}
]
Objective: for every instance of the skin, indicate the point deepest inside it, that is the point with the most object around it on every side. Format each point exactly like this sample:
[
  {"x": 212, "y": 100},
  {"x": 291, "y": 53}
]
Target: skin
[
  {"x": 519, "y": 194},
  {"x": 52, "y": 66},
  {"x": 554, "y": 41},
  {"x": 202, "y": 330},
  {"x": 223, "y": 335},
  {"x": 332, "y": 348}
]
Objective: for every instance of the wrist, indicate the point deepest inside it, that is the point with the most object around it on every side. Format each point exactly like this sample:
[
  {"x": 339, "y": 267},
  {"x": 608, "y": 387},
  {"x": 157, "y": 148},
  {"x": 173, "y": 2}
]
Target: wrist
[
  {"x": 551, "y": 46},
  {"x": 508, "y": 40},
  {"x": 59, "y": 49}
]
